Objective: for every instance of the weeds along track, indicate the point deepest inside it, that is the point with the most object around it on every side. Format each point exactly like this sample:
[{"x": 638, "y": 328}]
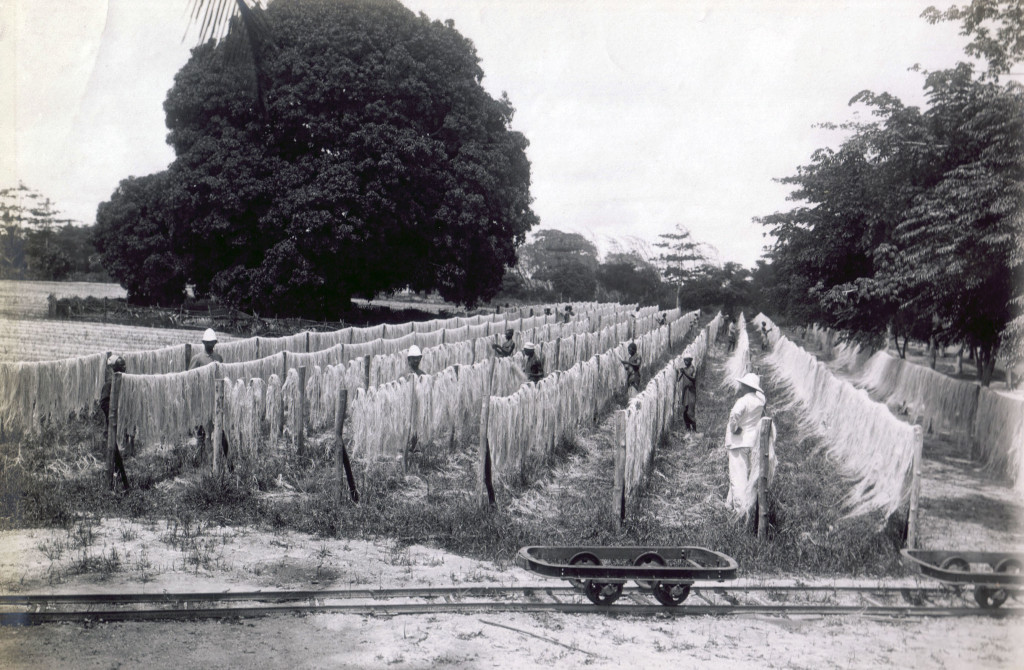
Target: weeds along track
[{"x": 734, "y": 600}]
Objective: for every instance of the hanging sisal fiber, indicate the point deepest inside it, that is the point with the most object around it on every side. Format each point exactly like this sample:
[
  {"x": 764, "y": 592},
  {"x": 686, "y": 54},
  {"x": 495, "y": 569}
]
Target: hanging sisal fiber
[
  {"x": 393, "y": 330},
  {"x": 870, "y": 446},
  {"x": 322, "y": 358},
  {"x": 387, "y": 368},
  {"x": 275, "y": 345},
  {"x": 165, "y": 409},
  {"x": 156, "y": 361},
  {"x": 938, "y": 402},
  {"x": 378, "y": 431},
  {"x": 260, "y": 368},
  {"x": 738, "y": 363},
  {"x": 273, "y": 406},
  {"x": 293, "y": 423},
  {"x": 773, "y": 330},
  {"x": 351, "y": 352},
  {"x": 998, "y": 435},
  {"x": 367, "y": 334},
  {"x": 32, "y": 394},
  {"x": 434, "y": 338},
  {"x": 320, "y": 341},
  {"x": 880, "y": 375},
  {"x": 236, "y": 351},
  {"x": 244, "y": 423}
]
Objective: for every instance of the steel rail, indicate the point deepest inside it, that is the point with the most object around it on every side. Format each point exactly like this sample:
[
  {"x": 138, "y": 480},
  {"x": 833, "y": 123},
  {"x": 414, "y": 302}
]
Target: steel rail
[
  {"x": 430, "y": 592},
  {"x": 41, "y": 617}
]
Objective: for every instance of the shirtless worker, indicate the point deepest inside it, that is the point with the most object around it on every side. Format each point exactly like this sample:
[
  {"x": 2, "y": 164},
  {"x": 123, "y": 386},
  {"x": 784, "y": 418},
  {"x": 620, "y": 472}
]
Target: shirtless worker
[
  {"x": 506, "y": 348},
  {"x": 632, "y": 365},
  {"x": 688, "y": 376},
  {"x": 533, "y": 366}
]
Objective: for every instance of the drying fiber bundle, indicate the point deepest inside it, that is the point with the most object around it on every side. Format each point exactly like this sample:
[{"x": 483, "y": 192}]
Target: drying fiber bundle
[
  {"x": 156, "y": 361},
  {"x": 352, "y": 352},
  {"x": 353, "y": 377},
  {"x": 444, "y": 406},
  {"x": 164, "y": 409},
  {"x": 427, "y": 326},
  {"x": 434, "y": 338},
  {"x": 479, "y": 331},
  {"x": 243, "y": 419},
  {"x": 293, "y": 421},
  {"x": 387, "y": 368},
  {"x": 423, "y": 418},
  {"x": 378, "y": 430},
  {"x": 367, "y": 334},
  {"x": 998, "y": 436},
  {"x": 738, "y": 363},
  {"x": 319, "y": 410},
  {"x": 273, "y": 407},
  {"x": 393, "y": 330},
  {"x": 773, "y": 330},
  {"x": 566, "y": 353},
  {"x": 456, "y": 334},
  {"x": 35, "y": 393},
  {"x": 382, "y": 346},
  {"x": 319, "y": 341},
  {"x": 482, "y": 349},
  {"x": 260, "y": 368},
  {"x": 323, "y": 358},
  {"x": 507, "y": 375},
  {"x": 275, "y": 345},
  {"x": 504, "y": 429},
  {"x": 846, "y": 356},
  {"x": 870, "y": 446},
  {"x": 938, "y": 402},
  {"x": 880, "y": 375},
  {"x": 237, "y": 351}
]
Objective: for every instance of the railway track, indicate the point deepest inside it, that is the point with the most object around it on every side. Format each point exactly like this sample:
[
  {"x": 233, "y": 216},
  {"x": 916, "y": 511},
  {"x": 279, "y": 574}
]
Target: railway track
[{"x": 766, "y": 600}]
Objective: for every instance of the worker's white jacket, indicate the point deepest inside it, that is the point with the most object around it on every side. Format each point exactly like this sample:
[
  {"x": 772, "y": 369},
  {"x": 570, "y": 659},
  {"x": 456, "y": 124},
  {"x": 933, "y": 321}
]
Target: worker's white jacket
[{"x": 746, "y": 414}]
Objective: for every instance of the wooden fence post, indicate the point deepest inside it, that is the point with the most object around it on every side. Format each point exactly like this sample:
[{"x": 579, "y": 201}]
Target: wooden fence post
[
  {"x": 284, "y": 367},
  {"x": 414, "y": 408},
  {"x": 218, "y": 423},
  {"x": 366, "y": 373},
  {"x": 915, "y": 489},
  {"x": 342, "y": 465},
  {"x": 258, "y": 348},
  {"x": 188, "y": 354},
  {"x": 115, "y": 396},
  {"x": 485, "y": 486},
  {"x": 762, "y": 480},
  {"x": 619, "y": 480},
  {"x": 558, "y": 351},
  {"x": 307, "y": 341}
]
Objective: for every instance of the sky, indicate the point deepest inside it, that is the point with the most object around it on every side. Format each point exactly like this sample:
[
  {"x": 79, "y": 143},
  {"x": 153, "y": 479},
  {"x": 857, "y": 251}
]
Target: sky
[{"x": 641, "y": 114}]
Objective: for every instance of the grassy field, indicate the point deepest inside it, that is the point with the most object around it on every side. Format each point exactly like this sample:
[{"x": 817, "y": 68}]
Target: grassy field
[{"x": 27, "y": 299}]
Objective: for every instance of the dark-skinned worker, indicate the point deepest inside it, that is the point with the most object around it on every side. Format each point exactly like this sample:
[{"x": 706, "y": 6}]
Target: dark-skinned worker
[
  {"x": 115, "y": 364},
  {"x": 506, "y": 348},
  {"x": 208, "y": 355},
  {"x": 412, "y": 362},
  {"x": 205, "y": 357},
  {"x": 688, "y": 376},
  {"x": 533, "y": 366},
  {"x": 567, "y": 315},
  {"x": 632, "y": 365}
]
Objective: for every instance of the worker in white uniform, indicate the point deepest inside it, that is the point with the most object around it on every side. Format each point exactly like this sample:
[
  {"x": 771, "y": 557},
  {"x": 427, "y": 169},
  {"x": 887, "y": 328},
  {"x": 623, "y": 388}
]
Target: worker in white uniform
[{"x": 741, "y": 436}]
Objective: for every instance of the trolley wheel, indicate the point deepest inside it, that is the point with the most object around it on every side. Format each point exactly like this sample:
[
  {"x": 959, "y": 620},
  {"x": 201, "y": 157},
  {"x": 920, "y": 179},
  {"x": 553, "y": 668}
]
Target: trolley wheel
[
  {"x": 1010, "y": 566},
  {"x": 650, "y": 558},
  {"x": 988, "y": 597},
  {"x": 671, "y": 595},
  {"x": 955, "y": 564},
  {"x": 583, "y": 558},
  {"x": 602, "y": 593}
]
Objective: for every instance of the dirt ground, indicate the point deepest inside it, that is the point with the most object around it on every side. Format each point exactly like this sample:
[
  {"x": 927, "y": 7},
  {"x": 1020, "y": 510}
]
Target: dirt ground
[{"x": 239, "y": 559}]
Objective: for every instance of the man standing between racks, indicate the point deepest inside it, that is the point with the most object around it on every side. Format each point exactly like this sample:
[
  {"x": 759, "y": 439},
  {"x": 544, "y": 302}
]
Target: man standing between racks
[
  {"x": 208, "y": 355},
  {"x": 632, "y": 365},
  {"x": 533, "y": 366},
  {"x": 741, "y": 435},
  {"x": 688, "y": 376},
  {"x": 412, "y": 359},
  {"x": 506, "y": 348}
]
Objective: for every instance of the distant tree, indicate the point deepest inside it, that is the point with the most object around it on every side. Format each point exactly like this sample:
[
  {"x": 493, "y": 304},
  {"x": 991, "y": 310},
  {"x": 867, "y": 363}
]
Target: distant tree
[
  {"x": 378, "y": 162},
  {"x": 628, "y": 278},
  {"x": 681, "y": 258},
  {"x": 133, "y": 234}
]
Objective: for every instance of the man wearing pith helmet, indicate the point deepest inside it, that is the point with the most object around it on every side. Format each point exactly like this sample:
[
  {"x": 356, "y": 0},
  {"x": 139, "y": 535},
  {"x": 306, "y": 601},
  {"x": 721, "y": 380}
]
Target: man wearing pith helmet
[
  {"x": 533, "y": 366},
  {"x": 741, "y": 436},
  {"x": 413, "y": 359},
  {"x": 208, "y": 355}
]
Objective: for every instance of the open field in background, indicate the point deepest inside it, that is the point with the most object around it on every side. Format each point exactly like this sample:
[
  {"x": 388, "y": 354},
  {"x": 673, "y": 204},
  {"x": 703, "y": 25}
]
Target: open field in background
[
  {"x": 27, "y": 299},
  {"x": 44, "y": 340}
]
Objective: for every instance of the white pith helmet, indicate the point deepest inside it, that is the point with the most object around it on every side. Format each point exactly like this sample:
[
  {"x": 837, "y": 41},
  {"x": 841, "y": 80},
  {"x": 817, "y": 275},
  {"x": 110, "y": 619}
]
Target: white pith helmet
[
  {"x": 209, "y": 335},
  {"x": 528, "y": 345},
  {"x": 751, "y": 380},
  {"x": 414, "y": 351}
]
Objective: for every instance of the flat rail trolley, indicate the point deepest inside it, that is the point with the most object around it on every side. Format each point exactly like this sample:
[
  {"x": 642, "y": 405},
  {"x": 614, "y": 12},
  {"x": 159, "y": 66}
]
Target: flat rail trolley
[
  {"x": 995, "y": 575},
  {"x": 600, "y": 572}
]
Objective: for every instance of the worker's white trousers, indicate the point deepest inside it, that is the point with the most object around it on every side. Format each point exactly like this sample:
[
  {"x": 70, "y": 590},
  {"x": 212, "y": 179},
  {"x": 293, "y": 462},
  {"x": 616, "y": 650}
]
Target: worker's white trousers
[{"x": 739, "y": 475}]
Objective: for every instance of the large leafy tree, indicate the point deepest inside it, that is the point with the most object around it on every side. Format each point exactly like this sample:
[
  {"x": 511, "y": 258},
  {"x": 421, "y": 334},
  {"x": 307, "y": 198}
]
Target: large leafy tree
[
  {"x": 368, "y": 159},
  {"x": 133, "y": 233},
  {"x": 565, "y": 262}
]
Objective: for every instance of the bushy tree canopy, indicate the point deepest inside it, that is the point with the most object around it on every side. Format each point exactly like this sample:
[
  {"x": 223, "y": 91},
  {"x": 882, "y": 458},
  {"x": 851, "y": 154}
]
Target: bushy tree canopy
[{"x": 369, "y": 158}]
